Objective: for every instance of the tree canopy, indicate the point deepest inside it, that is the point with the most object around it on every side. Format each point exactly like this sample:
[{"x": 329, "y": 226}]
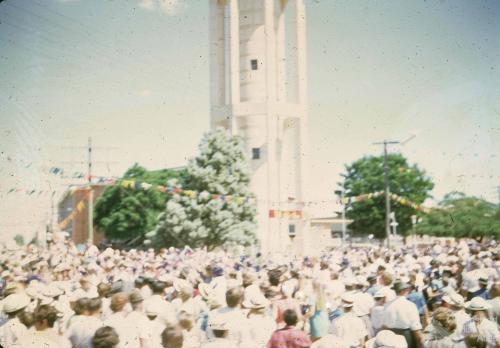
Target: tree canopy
[
  {"x": 123, "y": 213},
  {"x": 459, "y": 216},
  {"x": 366, "y": 175},
  {"x": 200, "y": 219}
]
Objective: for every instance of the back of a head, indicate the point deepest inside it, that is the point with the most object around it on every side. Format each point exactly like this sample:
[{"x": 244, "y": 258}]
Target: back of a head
[
  {"x": 445, "y": 318},
  {"x": 94, "y": 305},
  {"x": 45, "y": 312},
  {"x": 103, "y": 289},
  {"x": 234, "y": 297},
  {"x": 82, "y": 305},
  {"x": 476, "y": 341},
  {"x": 172, "y": 337},
  {"x": 105, "y": 337},
  {"x": 158, "y": 287},
  {"x": 290, "y": 317},
  {"x": 118, "y": 301}
]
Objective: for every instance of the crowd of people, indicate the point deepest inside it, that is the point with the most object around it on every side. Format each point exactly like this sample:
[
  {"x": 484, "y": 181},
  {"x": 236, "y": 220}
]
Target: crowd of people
[{"x": 437, "y": 296}]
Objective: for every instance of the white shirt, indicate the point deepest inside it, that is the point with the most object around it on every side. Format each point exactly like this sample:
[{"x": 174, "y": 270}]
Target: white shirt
[
  {"x": 363, "y": 303},
  {"x": 377, "y": 318},
  {"x": 82, "y": 330},
  {"x": 154, "y": 329},
  {"x": 46, "y": 339},
  {"x": 219, "y": 343},
  {"x": 126, "y": 330},
  {"x": 237, "y": 322},
  {"x": 388, "y": 292},
  {"x": 261, "y": 328},
  {"x": 349, "y": 327},
  {"x": 11, "y": 331},
  {"x": 402, "y": 314}
]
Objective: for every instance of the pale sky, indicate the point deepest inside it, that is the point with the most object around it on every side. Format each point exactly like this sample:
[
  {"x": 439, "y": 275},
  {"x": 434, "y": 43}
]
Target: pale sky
[{"x": 134, "y": 76}]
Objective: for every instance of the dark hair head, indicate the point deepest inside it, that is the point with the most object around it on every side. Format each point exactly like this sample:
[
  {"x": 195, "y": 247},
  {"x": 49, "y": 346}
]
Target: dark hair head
[
  {"x": 476, "y": 341},
  {"x": 290, "y": 317},
  {"x": 103, "y": 289},
  {"x": 172, "y": 337},
  {"x": 45, "y": 312},
  {"x": 234, "y": 297},
  {"x": 95, "y": 304},
  {"x": 158, "y": 287},
  {"x": 105, "y": 337},
  {"x": 81, "y": 305},
  {"x": 27, "y": 318}
]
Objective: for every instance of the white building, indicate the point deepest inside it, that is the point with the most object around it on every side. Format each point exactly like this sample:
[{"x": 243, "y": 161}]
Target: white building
[{"x": 258, "y": 83}]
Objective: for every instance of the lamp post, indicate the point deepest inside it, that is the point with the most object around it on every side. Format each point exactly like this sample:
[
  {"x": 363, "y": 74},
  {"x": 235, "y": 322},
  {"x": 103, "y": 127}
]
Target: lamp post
[{"x": 340, "y": 193}]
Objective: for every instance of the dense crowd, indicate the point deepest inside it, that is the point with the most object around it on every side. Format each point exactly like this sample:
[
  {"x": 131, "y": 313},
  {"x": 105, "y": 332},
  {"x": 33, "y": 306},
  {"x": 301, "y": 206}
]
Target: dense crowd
[{"x": 437, "y": 296}]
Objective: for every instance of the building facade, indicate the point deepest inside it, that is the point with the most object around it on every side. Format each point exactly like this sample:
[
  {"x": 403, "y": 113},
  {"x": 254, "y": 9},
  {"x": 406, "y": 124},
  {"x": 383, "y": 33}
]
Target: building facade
[{"x": 258, "y": 90}]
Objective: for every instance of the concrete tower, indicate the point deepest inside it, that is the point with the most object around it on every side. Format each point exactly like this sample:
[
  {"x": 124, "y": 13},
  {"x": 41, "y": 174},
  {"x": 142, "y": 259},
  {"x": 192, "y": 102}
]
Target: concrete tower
[{"x": 258, "y": 84}]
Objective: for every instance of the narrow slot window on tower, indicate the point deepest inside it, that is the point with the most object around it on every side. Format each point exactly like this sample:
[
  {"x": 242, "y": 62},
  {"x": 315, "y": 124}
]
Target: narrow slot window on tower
[
  {"x": 254, "y": 63},
  {"x": 255, "y": 153},
  {"x": 291, "y": 230}
]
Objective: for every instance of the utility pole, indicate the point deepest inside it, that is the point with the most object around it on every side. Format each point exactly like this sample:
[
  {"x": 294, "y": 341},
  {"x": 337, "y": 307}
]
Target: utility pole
[
  {"x": 341, "y": 193},
  {"x": 387, "y": 191},
  {"x": 90, "y": 205},
  {"x": 89, "y": 163}
]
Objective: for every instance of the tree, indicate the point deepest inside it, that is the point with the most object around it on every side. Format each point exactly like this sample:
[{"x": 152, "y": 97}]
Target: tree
[
  {"x": 19, "y": 239},
  {"x": 123, "y": 213},
  {"x": 199, "y": 216},
  {"x": 458, "y": 215},
  {"x": 366, "y": 175}
]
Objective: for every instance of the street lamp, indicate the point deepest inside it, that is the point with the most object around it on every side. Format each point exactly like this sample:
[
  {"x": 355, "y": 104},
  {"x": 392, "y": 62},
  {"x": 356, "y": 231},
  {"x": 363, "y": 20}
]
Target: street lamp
[{"x": 341, "y": 193}]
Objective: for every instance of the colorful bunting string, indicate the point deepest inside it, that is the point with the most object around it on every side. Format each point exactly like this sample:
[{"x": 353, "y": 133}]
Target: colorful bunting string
[
  {"x": 286, "y": 214},
  {"x": 393, "y": 196}
]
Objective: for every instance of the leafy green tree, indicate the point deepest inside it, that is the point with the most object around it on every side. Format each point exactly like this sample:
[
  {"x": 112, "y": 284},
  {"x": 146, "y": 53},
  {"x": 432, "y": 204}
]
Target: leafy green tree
[
  {"x": 458, "y": 215},
  {"x": 366, "y": 175},
  {"x": 196, "y": 218},
  {"x": 19, "y": 239},
  {"x": 123, "y": 213}
]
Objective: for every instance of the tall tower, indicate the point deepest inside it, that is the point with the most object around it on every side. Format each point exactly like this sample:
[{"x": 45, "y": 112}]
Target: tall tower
[{"x": 258, "y": 86}]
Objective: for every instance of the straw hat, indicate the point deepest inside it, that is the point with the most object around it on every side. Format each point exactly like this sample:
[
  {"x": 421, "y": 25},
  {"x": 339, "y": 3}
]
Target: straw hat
[
  {"x": 454, "y": 299},
  {"x": 388, "y": 339},
  {"x": 15, "y": 302},
  {"x": 477, "y": 304},
  {"x": 347, "y": 300}
]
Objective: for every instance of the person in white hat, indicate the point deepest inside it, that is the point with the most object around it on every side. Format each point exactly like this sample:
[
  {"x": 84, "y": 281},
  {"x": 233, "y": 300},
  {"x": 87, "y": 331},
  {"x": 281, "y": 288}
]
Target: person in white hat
[
  {"x": 401, "y": 316},
  {"x": 377, "y": 312},
  {"x": 479, "y": 322},
  {"x": 455, "y": 303},
  {"x": 13, "y": 329},
  {"x": 153, "y": 326},
  {"x": 349, "y": 326},
  {"x": 260, "y": 324}
]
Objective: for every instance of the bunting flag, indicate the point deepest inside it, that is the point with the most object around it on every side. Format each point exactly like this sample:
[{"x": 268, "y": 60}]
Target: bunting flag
[
  {"x": 137, "y": 185},
  {"x": 285, "y": 214},
  {"x": 393, "y": 196}
]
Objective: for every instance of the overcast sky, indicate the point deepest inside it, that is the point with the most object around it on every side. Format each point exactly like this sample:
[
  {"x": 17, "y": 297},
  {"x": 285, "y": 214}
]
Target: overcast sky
[{"x": 134, "y": 76}]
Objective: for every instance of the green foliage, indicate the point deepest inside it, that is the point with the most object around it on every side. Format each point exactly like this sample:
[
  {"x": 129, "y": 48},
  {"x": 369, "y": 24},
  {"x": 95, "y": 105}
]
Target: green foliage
[
  {"x": 124, "y": 213},
  {"x": 366, "y": 175},
  {"x": 460, "y": 216},
  {"x": 199, "y": 220},
  {"x": 19, "y": 239}
]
